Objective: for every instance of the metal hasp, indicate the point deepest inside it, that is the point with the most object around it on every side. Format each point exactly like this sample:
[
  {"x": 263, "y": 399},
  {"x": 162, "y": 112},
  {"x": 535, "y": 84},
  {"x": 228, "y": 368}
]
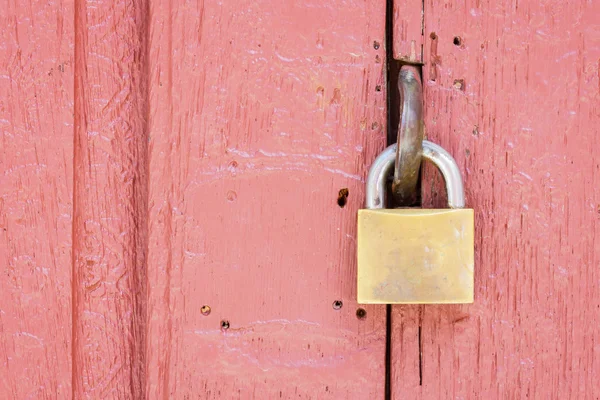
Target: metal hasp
[{"x": 410, "y": 136}]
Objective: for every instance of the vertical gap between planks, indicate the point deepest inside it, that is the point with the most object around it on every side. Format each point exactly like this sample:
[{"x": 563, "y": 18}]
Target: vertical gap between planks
[
  {"x": 420, "y": 358},
  {"x": 392, "y": 126},
  {"x": 423, "y": 35},
  {"x": 388, "y": 352},
  {"x": 393, "y": 69},
  {"x": 420, "y": 346},
  {"x": 419, "y": 189}
]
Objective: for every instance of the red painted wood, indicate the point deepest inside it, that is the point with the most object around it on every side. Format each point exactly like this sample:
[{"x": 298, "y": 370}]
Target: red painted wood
[
  {"x": 408, "y": 30},
  {"x": 260, "y": 112},
  {"x": 516, "y": 102},
  {"x": 36, "y": 147},
  {"x": 209, "y": 145},
  {"x": 110, "y": 199},
  {"x": 250, "y": 117}
]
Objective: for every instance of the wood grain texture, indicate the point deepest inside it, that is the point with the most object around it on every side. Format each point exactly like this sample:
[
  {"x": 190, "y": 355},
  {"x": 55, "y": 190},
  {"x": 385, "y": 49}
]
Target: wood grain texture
[
  {"x": 408, "y": 30},
  {"x": 261, "y": 112},
  {"x": 110, "y": 199},
  {"x": 36, "y": 144},
  {"x": 516, "y": 102}
]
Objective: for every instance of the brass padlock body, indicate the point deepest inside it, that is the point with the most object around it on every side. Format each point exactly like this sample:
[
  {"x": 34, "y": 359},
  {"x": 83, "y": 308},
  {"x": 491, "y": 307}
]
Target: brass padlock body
[{"x": 415, "y": 256}]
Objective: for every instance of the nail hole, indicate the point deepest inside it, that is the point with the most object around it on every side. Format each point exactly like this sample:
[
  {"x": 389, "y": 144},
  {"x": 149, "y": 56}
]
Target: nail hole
[
  {"x": 457, "y": 41},
  {"x": 342, "y": 197},
  {"x": 374, "y": 125},
  {"x": 459, "y": 84},
  {"x": 224, "y": 325},
  {"x": 361, "y": 313},
  {"x": 337, "y": 304},
  {"x": 433, "y": 36},
  {"x": 378, "y": 88},
  {"x": 231, "y": 195},
  {"x": 376, "y": 45},
  {"x": 205, "y": 310}
]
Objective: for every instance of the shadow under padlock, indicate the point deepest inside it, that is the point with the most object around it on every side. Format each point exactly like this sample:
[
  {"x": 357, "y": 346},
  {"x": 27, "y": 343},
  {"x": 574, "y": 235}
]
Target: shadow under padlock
[{"x": 414, "y": 255}]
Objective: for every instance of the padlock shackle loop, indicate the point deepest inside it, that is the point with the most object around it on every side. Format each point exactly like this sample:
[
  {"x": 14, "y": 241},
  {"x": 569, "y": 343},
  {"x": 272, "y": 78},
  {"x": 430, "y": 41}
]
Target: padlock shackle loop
[{"x": 445, "y": 163}]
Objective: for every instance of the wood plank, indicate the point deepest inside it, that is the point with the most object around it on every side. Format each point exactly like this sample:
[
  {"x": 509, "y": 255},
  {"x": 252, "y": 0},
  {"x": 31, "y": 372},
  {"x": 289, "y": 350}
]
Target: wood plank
[
  {"x": 516, "y": 101},
  {"x": 408, "y": 30},
  {"x": 36, "y": 143},
  {"x": 110, "y": 199},
  {"x": 261, "y": 111}
]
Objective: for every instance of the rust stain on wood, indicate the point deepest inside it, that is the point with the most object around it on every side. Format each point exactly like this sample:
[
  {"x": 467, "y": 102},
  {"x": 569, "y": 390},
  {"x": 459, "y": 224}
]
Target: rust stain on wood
[
  {"x": 407, "y": 28},
  {"x": 434, "y": 58}
]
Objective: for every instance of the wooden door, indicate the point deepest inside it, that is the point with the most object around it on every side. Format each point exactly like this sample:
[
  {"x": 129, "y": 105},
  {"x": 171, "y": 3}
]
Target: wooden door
[{"x": 179, "y": 186}]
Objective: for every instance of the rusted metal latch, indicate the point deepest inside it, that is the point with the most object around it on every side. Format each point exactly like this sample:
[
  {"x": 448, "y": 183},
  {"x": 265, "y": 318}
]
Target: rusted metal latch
[{"x": 409, "y": 149}]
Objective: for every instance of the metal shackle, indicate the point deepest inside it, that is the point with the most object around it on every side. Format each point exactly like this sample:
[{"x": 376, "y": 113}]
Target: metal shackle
[{"x": 384, "y": 163}]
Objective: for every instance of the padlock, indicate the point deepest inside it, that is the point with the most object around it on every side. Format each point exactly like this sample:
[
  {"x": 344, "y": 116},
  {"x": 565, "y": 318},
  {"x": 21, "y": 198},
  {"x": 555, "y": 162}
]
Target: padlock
[{"x": 412, "y": 255}]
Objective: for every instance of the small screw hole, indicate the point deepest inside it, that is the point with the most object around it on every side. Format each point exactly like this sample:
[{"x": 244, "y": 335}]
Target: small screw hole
[
  {"x": 376, "y": 45},
  {"x": 378, "y": 88},
  {"x": 361, "y": 313},
  {"x": 224, "y": 325},
  {"x": 342, "y": 197},
  {"x": 337, "y": 304},
  {"x": 457, "y": 41},
  {"x": 205, "y": 310},
  {"x": 459, "y": 84},
  {"x": 231, "y": 195}
]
